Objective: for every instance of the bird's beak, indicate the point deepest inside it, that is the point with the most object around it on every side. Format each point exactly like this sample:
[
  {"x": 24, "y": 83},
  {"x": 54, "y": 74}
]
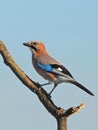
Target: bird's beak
[
  {"x": 26, "y": 44},
  {"x": 29, "y": 45}
]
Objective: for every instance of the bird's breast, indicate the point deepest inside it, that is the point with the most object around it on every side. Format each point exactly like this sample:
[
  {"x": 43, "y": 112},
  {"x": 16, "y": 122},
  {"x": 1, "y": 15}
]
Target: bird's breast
[{"x": 46, "y": 75}]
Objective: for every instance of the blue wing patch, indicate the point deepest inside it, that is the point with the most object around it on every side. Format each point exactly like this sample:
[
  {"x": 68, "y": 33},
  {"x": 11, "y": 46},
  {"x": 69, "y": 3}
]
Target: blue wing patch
[{"x": 45, "y": 67}]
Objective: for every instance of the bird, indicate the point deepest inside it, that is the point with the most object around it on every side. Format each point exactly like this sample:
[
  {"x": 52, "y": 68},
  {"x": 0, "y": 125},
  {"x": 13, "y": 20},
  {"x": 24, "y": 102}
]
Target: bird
[{"x": 49, "y": 68}]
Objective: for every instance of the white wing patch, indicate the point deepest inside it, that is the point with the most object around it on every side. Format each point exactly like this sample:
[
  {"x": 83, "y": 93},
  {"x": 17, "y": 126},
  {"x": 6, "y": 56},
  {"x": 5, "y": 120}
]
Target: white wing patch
[{"x": 59, "y": 69}]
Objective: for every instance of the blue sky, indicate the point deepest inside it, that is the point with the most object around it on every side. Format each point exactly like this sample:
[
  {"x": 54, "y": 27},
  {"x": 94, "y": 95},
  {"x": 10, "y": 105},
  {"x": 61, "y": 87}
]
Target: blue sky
[{"x": 69, "y": 30}]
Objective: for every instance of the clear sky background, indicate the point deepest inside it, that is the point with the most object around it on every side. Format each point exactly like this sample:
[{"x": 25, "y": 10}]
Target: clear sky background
[{"x": 69, "y": 30}]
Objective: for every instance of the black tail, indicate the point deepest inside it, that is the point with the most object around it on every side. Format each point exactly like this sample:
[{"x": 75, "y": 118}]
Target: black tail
[{"x": 81, "y": 86}]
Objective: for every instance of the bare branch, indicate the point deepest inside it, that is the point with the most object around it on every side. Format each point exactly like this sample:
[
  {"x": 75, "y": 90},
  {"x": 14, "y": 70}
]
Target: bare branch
[
  {"x": 72, "y": 110},
  {"x": 59, "y": 113}
]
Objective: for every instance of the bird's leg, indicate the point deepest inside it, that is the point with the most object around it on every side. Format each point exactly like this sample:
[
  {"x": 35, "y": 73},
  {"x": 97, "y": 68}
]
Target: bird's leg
[
  {"x": 40, "y": 85},
  {"x": 53, "y": 89},
  {"x": 46, "y": 84}
]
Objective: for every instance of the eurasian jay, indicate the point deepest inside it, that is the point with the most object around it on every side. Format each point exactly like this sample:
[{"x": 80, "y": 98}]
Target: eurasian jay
[{"x": 49, "y": 68}]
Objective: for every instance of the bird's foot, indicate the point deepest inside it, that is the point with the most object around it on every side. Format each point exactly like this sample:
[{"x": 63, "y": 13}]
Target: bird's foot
[
  {"x": 39, "y": 85},
  {"x": 49, "y": 95}
]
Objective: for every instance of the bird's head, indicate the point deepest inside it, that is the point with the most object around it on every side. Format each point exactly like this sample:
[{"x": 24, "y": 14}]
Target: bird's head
[{"x": 35, "y": 46}]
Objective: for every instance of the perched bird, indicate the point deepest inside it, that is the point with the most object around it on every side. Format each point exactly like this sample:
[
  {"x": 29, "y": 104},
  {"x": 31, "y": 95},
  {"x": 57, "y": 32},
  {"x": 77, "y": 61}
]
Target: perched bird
[{"x": 49, "y": 68}]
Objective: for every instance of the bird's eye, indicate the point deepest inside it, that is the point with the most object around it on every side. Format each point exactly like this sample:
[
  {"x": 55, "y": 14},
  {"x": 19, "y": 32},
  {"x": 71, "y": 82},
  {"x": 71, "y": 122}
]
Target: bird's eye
[{"x": 35, "y": 43}]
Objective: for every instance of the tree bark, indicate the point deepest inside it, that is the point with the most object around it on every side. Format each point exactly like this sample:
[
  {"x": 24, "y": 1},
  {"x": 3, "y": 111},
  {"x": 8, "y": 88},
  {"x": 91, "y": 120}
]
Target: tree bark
[
  {"x": 62, "y": 123},
  {"x": 60, "y": 114}
]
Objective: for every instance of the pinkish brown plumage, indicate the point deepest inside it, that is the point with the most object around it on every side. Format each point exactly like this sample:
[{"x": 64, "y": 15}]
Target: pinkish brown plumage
[{"x": 49, "y": 68}]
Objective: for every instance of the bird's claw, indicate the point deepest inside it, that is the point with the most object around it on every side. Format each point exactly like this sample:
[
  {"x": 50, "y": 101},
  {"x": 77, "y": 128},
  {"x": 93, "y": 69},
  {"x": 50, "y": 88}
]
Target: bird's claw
[
  {"x": 49, "y": 95},
  {"x": 39, "y": 85}
]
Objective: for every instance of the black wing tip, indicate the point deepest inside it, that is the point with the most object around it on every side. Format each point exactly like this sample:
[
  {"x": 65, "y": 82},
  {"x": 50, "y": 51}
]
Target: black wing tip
[
  {"x": 91, "y": 94},
  {"x": 82, "y": 87}
]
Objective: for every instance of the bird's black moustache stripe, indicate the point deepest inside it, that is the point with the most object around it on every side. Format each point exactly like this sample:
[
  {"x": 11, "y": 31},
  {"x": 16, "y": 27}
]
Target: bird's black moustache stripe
[{"x": 34, "y": 48}]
